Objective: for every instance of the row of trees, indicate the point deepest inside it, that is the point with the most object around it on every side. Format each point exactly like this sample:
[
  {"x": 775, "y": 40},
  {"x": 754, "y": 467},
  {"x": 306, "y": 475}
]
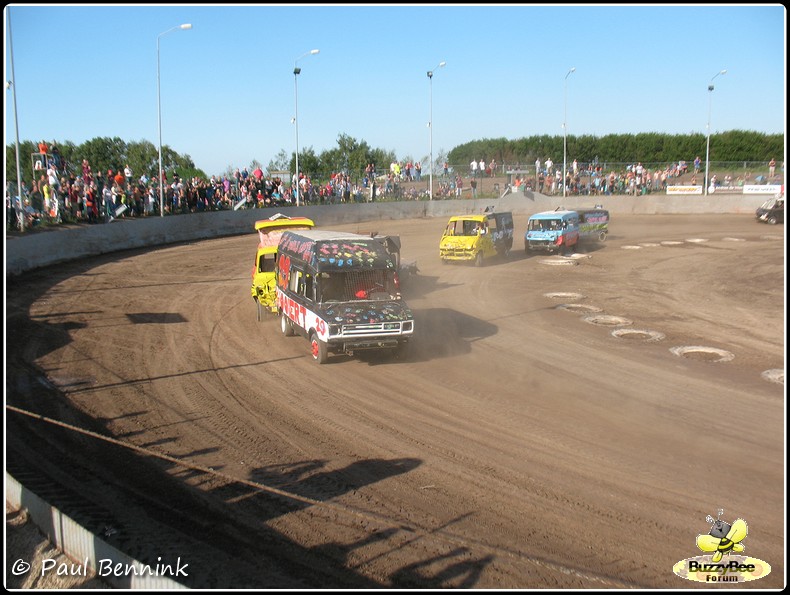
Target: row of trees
[
  {"x": 352, "y": 155},
  {"x": 650, "y": 147}
]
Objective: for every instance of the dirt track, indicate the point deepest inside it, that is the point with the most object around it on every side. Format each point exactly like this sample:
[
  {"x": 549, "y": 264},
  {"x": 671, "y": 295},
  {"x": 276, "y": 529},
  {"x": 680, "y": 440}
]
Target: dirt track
[{"x": 517, "y": 447}]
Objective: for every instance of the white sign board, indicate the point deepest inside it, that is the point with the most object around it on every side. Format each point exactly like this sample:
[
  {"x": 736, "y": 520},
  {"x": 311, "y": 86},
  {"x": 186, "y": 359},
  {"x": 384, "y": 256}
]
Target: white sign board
[
  {"x": 762, "y": 189},
  {"x": 678, "y": 189}
]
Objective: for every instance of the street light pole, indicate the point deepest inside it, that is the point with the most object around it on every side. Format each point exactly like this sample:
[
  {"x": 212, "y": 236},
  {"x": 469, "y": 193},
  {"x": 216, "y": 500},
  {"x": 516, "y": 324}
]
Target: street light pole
[
  {"x": 565, "y": 135},
  {"x": 159, "y": 109},
  {"x": 297, "y": 70},
  {"x": 707, "y": 144},
  {"x": 430, "y": 130},
  {"x": 20, "y": 210}
]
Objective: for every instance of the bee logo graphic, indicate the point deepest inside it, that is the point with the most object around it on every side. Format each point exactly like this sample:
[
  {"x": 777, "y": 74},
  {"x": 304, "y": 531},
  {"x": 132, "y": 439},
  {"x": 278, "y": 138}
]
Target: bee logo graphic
[{"x": 723, "y": 537}]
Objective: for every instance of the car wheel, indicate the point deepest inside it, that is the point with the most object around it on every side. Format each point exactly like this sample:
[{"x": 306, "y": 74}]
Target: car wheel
[
  {"x": 772, "y": 220},
  {"x": 318, "y": 349},
  {"x": 602, "y": 236},
  {"x": 479, "y": 259},
  {"x": 286, "y": 326}
]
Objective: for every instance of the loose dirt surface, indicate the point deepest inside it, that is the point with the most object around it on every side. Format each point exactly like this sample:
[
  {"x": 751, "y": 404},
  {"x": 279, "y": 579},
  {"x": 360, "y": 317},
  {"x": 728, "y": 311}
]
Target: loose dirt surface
[{"x": 517, "y": 446}]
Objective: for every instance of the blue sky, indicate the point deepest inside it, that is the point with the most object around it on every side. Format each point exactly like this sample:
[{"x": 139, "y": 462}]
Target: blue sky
[{"x": 227, "y": 84}]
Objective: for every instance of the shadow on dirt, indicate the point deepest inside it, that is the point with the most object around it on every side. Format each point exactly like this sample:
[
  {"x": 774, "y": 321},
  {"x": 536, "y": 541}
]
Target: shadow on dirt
[
  {"x": 155, "y": 507},
  {"x": 442, "y": 332}
]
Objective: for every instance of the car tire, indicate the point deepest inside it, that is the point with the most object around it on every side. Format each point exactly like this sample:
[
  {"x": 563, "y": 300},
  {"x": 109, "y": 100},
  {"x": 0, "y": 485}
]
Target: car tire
[
  {"x": 479, "y": 259},
  {"x": 318, "y": 349},
  {"x": 286, "y": 326},
  {"x": 772, "y": 220}
]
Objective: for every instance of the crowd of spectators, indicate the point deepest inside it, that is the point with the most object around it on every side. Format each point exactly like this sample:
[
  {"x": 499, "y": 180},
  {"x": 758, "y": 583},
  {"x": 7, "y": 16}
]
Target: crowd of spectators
[{"x": 55, "y": 196}]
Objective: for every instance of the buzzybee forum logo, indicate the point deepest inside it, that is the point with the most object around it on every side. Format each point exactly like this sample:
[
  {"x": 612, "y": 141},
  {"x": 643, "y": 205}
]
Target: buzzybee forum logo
[{"x": 721, "y": 565}]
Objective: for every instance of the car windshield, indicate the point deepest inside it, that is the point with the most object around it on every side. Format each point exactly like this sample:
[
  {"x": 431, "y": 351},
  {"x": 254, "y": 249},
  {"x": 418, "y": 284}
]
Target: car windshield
[
  {"x": 769, "y": 204},
  {"x": 376, "y": 284},
  {"x": 544, "y": 224}
]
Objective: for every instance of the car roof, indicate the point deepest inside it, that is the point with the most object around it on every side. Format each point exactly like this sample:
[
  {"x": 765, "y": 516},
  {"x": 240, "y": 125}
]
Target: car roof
[
  {"x": 553, "y": 214},
  {"x": 318, "y": 235},
  {"x": 481, "y": 217},
  {"x": 283, "y": 222}
]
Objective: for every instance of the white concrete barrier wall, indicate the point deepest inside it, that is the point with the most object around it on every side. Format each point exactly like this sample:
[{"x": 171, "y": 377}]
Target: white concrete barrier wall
[
  {"x": 40, "y": 249},
  {"x": 84, "y": 547}
]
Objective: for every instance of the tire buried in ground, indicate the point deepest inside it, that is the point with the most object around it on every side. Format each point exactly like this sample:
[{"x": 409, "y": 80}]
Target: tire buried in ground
[
  {"x": 708, "y": 354},
  {"x": 564, "y": 295},
  {"x": 606, "y": 320},
  {"x": 558, "y": 262},
  {"x": 579, "y": 308},
  {"x": 643, "y": 335},
  {"x": 776, "y": 375}
]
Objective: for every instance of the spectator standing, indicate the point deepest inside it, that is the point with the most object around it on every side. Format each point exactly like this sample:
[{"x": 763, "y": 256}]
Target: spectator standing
[
  {"x": 473, "y": 168},
  {"x": 149, "y": 202},
  {"x": 127, "y": 173},
  {"x": 118, "y": 196},
  {"x": 87, "y": 174},
  {"x": 57, "y": 160},
  {"x": 36, "y": 198},
  {"x": 108, "y": 203},
  {"x": 481, "y": 167},
  {"x": 697, "y": 164},
  {"x": 771, "y": 168},
  {"x": 46, "y": 190},
  {"x": 549, "y": 166},
  {"x": 90, "y": 205}
]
